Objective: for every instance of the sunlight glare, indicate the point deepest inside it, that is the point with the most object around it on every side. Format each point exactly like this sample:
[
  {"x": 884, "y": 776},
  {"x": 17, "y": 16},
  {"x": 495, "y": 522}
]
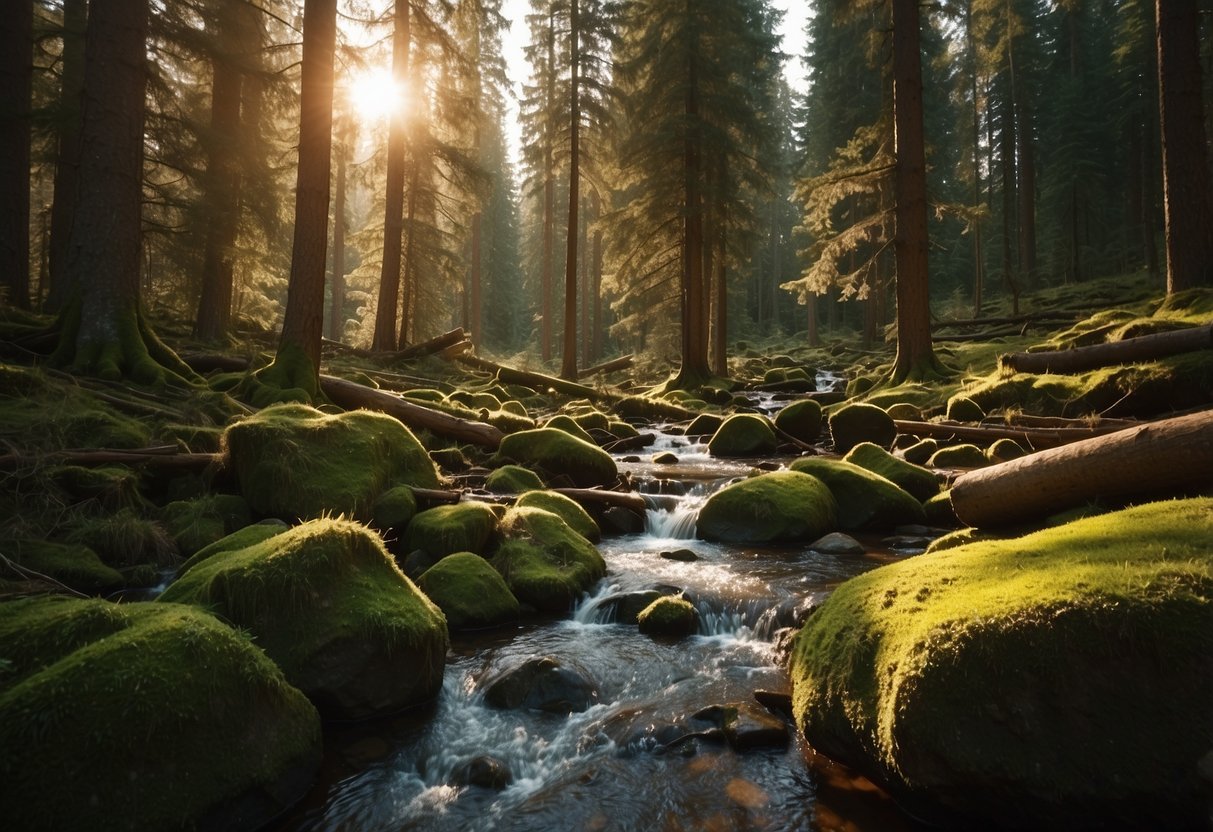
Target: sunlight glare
[{"x": 375, "y": 95}]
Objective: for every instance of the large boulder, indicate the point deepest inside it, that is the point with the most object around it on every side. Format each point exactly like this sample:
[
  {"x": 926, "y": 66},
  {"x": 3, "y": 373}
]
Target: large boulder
[
  {"x": 555, "y": 452},
  {"x": 195, "y": 524},
  {"x": 512, "y": 479},
  {"x": 920, "y": 483},
  {"x": 469, "y": 591},
  {"x": 240, "y": 539},
  {"x": 443, "y": 530},
  {"x": 569, "y": 510},
  {"x": 780, "y": 507},
  {"x": 743, "y": 434},
  {"x": 544, "y": 562},
  {"x": 801, "y": 420},
  {"x": 1054, "y": 681},
  {"x": 861, "y": 422},
  {"x": 327, "y": 602},
  {"x": 292, "y": 461},
  {"x": 144, "y": 717},
  {"x": 866, "y": 500}
]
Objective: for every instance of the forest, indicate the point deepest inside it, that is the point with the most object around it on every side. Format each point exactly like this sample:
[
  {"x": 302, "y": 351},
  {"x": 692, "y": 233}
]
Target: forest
[{"x": 606, "y": 414}]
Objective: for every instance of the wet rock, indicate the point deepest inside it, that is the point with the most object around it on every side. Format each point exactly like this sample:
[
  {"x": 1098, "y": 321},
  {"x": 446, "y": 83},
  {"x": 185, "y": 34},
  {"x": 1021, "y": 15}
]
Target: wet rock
[
  {"x": 784, "y": 506},
  {"x": 513, "y": 479},
  {"x": 837, "y": 543},
  {"x": 556, "y": 452},
  {"x": 566, "y": 508},
  {"x": 684, "y": 555},
  {"x": 746, "y": 725},
  {"x": 620, "y": 520},
  {"x": 542, "y": 684},
  {"x": 669, "y": 616},
  {"x": 907, "y": 543},
  {"x": 705, "y": 424},
  {"x": 485, "y": 771},
  {"x": 631, "y": 458},
  {"x": 469, "y": 591},
  {"x": 674, "y": 487},
  {"x": 544, "y": 561},
  {"x": 777, "y": 702},
  {"x": 744, "y": 434},
  {"x": 665, "y": 458},
  {"x": 626, "y": 606},
  {"x": 861, "y": 422}
]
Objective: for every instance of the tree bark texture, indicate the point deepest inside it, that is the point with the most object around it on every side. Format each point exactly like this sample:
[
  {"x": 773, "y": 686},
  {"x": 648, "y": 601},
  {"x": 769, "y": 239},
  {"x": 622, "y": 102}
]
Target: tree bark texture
[
  {"x": 67, "y": 153},
  {"x": 337, "y": 279},
  {"x": 16, "y": 84},
  {"x": 549, "y": 204},
  {"x": 694, "y": 369},
  {"x": 1128, "y": 351},
  {"x": 568, "y": 362},
  {"x": 596, "y": 271}
]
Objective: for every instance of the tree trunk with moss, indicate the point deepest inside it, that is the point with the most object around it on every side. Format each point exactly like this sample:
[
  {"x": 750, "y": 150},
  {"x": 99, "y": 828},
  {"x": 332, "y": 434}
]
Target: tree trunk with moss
[{"x": 16, "y": 48}]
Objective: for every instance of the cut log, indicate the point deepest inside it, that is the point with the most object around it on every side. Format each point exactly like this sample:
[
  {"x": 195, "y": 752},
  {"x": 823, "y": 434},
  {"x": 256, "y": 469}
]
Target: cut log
[
  {"x": 537, "y": 381},
  {"x": 1128, "y": 351},
  {"x": 624, "y": 362},
  {"x": 589, "y": 497},
  {"x": 349, "y": 394},
  {"x": 1031, "y": 437},
  {"x": 1155, "y": 458}
]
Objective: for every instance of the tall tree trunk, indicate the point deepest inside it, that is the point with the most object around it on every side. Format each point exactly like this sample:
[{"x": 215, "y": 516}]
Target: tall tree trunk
[
  {"x": 337, "y": 280},
  {"x": 568, "y": 364},
  {"x": 410, "y": 253},
  {"x": 776, "y": 266},
  {"x": 1007, "y": 164},
  {"x": 67, "y": 154},
  {"x": 1027, "y": 194},
  {"x": 586, "y": 289},
  {"x": 393, "y": 204},
  {"x": 16, "y": 85},
  {"x": 549, "y": 203},
  {"x": 915, "y": 356},
  {"x": 297, "y": 364},
  {"x": 720, "y": 326},
  {"x": 978, "y": 255},
  {"x": 596, "y": 271},
  {"x": 1187, "y": 200},
  {"x": 475, "y": 327},
  {"x": 814, "y": 328},
  {"x": 694, "y": 369}
]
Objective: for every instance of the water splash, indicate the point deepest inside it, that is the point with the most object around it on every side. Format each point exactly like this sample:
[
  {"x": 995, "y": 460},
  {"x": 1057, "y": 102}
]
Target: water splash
[{"x": 678, "y": 522}]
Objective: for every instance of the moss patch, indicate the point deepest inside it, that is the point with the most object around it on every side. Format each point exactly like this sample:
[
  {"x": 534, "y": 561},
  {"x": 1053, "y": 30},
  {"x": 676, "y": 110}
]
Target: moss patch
[
  {"x": 780, "y": 507},
  {"x": 865, "y": 499},
  {"x": 860, "y": 422},
  {"x": 125, "y": 539},
  {"x": 670, "y": 617},
  {"x": 513, "y": 479},
  {"x": 544, "y": 562},
  {"x": 556, "y": 453},
  {"x": 470, "y": 592},
  {"x": 800, "y": 419},
  {"x": 444, "y": 530},
  {"x": 194, "y": 524},
  {"x": 71, "y": 565},
  {"x": 567, "y": 509},
  {"x": 240, "y": 539},
  {"x": 959, "y": 456},
  {"x": 743, "y": 434},
  {"x": 920, "y": 483}
]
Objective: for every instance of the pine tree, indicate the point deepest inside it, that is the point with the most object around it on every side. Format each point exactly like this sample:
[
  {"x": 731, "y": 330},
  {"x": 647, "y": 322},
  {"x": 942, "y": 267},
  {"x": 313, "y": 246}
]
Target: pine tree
[{"x": 16, "y": 84}]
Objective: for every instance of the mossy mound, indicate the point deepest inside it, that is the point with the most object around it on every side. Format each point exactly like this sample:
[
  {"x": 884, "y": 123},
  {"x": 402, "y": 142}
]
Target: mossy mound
[
  {"x": 292, "y": 461},
  {"x": 670, "y": 617},
  {"x": 444, "y": 530},
  {"x": 394, "y": 508},
  {"x": 125, "y": 539},
  {"x": 144, "y": 717},
  {"x": 194, "y": 524},
  {"x": 556, "y": 452},
  {"x": 705, "y": 424},
  {"x": 860, "y": 422},
  {"x": 801, "y": 420},
  {"x": 939, "y": 511},
  {"x": 567, "y": 509},
  {"x": 544, "y": 562},
  {"x": 113, "y": 487},
  {"x": 959, "y": 456},
  {"x": 917, "y": 481},
  {"x": 1005, "y": 450},
  {"x": 566, "y": 424},
  {"x": 743, "y": 434},
  {"x": 513, "y": 479},
  {"x": 963, "y": 409},
  {"x": 73, "y": 566},
  {"x": 866, "y": 500},
  {"x": 1056, "y": 680},
  {"x": 921, "y": 451},
  {"x": 39, "y": 414},
  {"x": 470, "y": 592},
  {"x": 904, "y": 411},
  {"x": 241, "y": 539},
  {"x": 326, "y": 602},
  {"x": 780, "y": 507}
]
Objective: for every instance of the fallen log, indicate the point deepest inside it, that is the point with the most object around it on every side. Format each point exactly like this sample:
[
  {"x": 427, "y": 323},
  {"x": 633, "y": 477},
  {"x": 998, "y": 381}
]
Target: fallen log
[
  {"x": 458, "y": 348},
  {"x": 1031, "y": 437},
  {"x": 435, "y": 496},
  {"x": 215, "y": 362},
  {"x": 597, "y": 497},
  {"x": 630, "y": 443},
  {"x": 1128, "y": 351},
  {"x": 976, "y": 336},
  {"x": 1041, "y": 318},
  {"x": 624, "y": 362},
  {"x": 1153, "y": 458},
  {"x": 538, "y": 381},
  {"x": 349, "y": 394},
  {"x": 148, "y": 457},
  {"x": 434, "y": 345}
]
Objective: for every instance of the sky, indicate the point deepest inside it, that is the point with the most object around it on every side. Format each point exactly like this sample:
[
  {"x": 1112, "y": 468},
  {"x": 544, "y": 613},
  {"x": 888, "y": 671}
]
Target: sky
[{"x": 791, "y": 30}]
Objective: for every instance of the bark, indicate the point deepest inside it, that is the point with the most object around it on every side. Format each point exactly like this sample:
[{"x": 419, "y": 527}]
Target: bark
[
  {"x": 67, "y": 154},
  {"x": 549, "y": 207},
  {"x": 351, "y": 395},
  {"x": 978, "y": 256},
  {"x": 721, "y": 325},
  {"x": 538, "y": 381},
  {"x": 592, "y": 497},
  {"x": 596, "y": 271},
  {"x": 410, "y": 254},
  {"x": 1155, "y": 458},
  {"x": 814, "y": 329},
  {"x": 1187, "y": 196},
  {"x": 583, "y": 242},
  {"x": 337, "y": 279},
  {"x": 1028, "y": 436},
  {"x": 1007, "y": 169},
  {"x": 16, "y": 84},
  {"x": 568, "y": 362},
  {"x": 1128, "y": 351}
]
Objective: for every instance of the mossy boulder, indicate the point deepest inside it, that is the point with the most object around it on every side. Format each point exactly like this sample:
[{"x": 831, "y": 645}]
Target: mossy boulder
[
  {"x": 443, "y": 530},
  {"x": 904, "y": 411},
  {"x": 194, "y": 524},
  {"x": 144, "y": 717},
  {"x": 556, "y": 452},
  {"x": 567, "y": 509},
  {"x": 939, "y": 511},
  {"x": 959, "y": 456},
  {"x": 240, "y": 539},
  {"x": 544, "y": 562},
  {"x": 1056, "y": 680},
  {"x": 469, "y": 591},
  {"x": 1004, "y": 450},
  {"x": 801, "y": 420},
  {"x": 394, "y": 508},
  {"x": 513, "y": 479},
  {"x": 125, "y": 538},
  {"x": 292, "y": 461},
  {"x": 920, "y": 483},
  {"x": 326, "y": 602},
  {"x": 569, "y": 426},
  {"x": 860, "y": 422},
  {"x": 921, "y": 451},
  {"x": 780, "y": 507},
  {"x": 743, "y": 434},
  {"x": 73, "y": 566},
  {"x": 866, "y": 500},
  {"x": 963, "y": 409},
  {"x": 669, "y": 616},
  {"x": 705, "y": 424}
]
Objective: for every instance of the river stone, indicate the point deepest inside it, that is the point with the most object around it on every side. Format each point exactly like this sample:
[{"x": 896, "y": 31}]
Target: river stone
[
  {"x": 866, "y": 501},
  {"x": 568, "y": 509},
  {"x": 195, "y": 524},
  {"x": 837, "y": 543},
  {"x": 776, "y": 702},
  {"x": 959, "y": 456},
  {"x": 469, "y": 591},
  {"x": 917, "y": 481},
  {"x": 327, "y": 602},
  {"x": 1004, "y": 450},
  {"x": 665, "y": 458},
  {"x": 705, "y": 424},
  {"x": 920, "y": 451},
  {"x": 801, "y": 420},
  {"x": 559, "y": 453},
  {"x": 620, "y": 520},
  {"x": 780, "y": 507},
  {"x": 513, "y": 479},
  {"x": 860, "y": 422},
  {"x": 746, "y": 725},
  {"x": 569, "y": 426},
  {"x": 241, "y": 539},
  {"x": 624, "y": 607},
  {"x": 964, "y": 409},
  {"x": 485, "y": 771},
  {"x": 542, "y": 684},
  {"x": 72, "y": 565},
  {"x": 939, "y": 511},
  {"x": 682, "y": 555},
  {"x": 669, "y": 616},
  {"x": 544, "y": 561},
  {"x": 144, "y": 717},
  {"x": 443, "y": 530},
  {"x": 292, "y": 461},
  {"x": 1056, "y": 680},
  {"x": 743, "y": 434}
]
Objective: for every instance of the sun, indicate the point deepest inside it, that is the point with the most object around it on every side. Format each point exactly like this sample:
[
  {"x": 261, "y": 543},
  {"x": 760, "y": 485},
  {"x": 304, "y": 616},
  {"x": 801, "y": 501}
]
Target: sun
[{"x": 375, "y": 95}]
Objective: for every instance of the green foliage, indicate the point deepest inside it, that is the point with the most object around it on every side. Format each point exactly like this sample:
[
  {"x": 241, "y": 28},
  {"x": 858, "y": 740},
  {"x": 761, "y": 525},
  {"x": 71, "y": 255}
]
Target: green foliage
[{"x": 124, "y": 538}]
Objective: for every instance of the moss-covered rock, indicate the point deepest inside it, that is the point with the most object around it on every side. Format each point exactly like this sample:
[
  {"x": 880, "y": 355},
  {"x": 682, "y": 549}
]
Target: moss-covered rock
[
  {"x": 513, "y": 479},
  {"x": 326, "y": 602},
  {"x": 939, "y": 511},
  {"x": 113, "y": 487},
  {"x": 124, "y": 538},
  {"x": 544, "y": 562},
  {"x": 74, "y": 566},
  {"x": 921, "y": 451},
  {"x": 1057, "y": 680},
  {"x": 292, "y": 461},
  {"x": 1004, "y": 450},
  {"x": 394, "y": 508},
  {"x": 240, "y": 539},
  {"x": 443, "y": 530},
  {"x": 705, "y": 424},
  {"x": 904, "y": 411},
  {"x": 801, "y": 420},
  {"x": 920, "y": 483},
  {"x": 567, "y": 509},
  {"x": 959, "y": 456},
  {"x": 866, "y": 500},
  {"x": 860, "y": 422},
  {"x": 569, "y": 426},
  {"x": 780, "y": 507},
  {"x": 963, "y": 409},
  {"x": 144, "y": 717},
  {"x": 743, "y": 434},
  {"x": 556, "y": 452},
  {"x": 194, "y": 524},
  {"x": 469, "y": 591},
  {"x": 669, "y": 616}
]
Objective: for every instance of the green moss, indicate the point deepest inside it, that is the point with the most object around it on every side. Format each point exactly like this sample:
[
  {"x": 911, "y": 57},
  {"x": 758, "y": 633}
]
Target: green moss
[
  {"x": 865, "y": 499},
  {"x": 425, "y": 394},
  {"x": 327, "y": 602},
  {"x": 555, "y": 452},
  {"x": 622, "y": 430},
  {"x": 566, "y": 509},
  {"x": 513, "y": 479},
  {"x": 921, "y": 451},
  {"x": 780, "y": 507},
  {"x": 705, "y": 424},
  {"x": 394, "y": 509},
  {"x": 194, "y": 524},
  {"x": 544, "y": 562},
  {"x": 904, "y": 411},
  {"x": 775, "y": 375},
  {"x": 290, "y": 377},
  {"x": 242, "y": 539},
  {"x": 144, "y": 716},
  {"x": 475, "y": 401},
  {"x": 860, "y": 422},
  {"x": 569, "y": 426},
  {"x": 959, "y": 456},
  {"x": 470, "y": 592},
  {"x": 64, "y": 417},
  {"x": 125, "y": 539},
  {"x": 939, "y": 511},
  {"x": 199, "y": 439},
  {"x": 515, "y": 407},
  {"x": 113, "y": 487},
  {"x": 125, "y": 348},
  {"x": 960, "y": 537},
  {"x": 964, "y": 409},
  {"x": 591, "y": 419},
  {"x": 71, "y": 565},
  {"x": 743, "y": 434},
  {"x": 920, "y": 483},
  {"x": 1003, "y": 450},
  {"x": 669, "y": 616},
  {"x": 801, "y": 420},
  {"x": 292, "y": 461},
  {"x": 444, "y": 530},
  {"x": 1054, "y": 680}
]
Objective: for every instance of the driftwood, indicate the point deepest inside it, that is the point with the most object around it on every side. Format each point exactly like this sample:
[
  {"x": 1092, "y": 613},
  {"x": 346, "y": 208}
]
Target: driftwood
[
  {"x": 1128, "y": 351},
  {"x": 349, "y": 394},
  {"x": 1157, "y": 457},
  {"x": 1031, "y": 437},
  {"x": 598, "y": 497},
  {"x": 538, "y": 381},
  {"x": 624, "y": 362}
]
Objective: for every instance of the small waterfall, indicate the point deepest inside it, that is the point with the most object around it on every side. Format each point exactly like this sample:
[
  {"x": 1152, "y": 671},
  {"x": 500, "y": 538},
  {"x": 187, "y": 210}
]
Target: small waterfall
[{"x": 677, "y": 522}]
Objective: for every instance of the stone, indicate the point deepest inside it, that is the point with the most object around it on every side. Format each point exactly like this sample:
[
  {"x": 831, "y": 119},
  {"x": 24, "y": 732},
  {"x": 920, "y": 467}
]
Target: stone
[
  {"x": 837, "y": 543},
  {"x": 917, "y": 481},
  {"x": 513, "y": 479},
  {"x": 743, "y": 434},
  {"x": 964, "y": 409},
  {"x": 569, "y": 510},
  {"x": 443, "y": 530},
  {"x": 558, "y": 453},
  {"x": 670, "y": 617},
  {"x": 620, "y": 520},
  {"x": 470, "y": 592},
  {"x": 544, "y": 562},
  {"x": 485, "y": 772},
  {"x": 801, "y": 420},
  {"x": 959, "y": 456},
  {"x": 665, "y": 458},
  {"x": 542, "y": 684},
  {"x": 780, "y": 507},
  {"x": 860, "y": 422},
  {"x": 705, "y": 424},
  {"x": 682, "y": 555},
  {"x": 1004, "y": 450},
  {"x": 866, "y": 501},
  {"x": 920, "y": 451}
]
